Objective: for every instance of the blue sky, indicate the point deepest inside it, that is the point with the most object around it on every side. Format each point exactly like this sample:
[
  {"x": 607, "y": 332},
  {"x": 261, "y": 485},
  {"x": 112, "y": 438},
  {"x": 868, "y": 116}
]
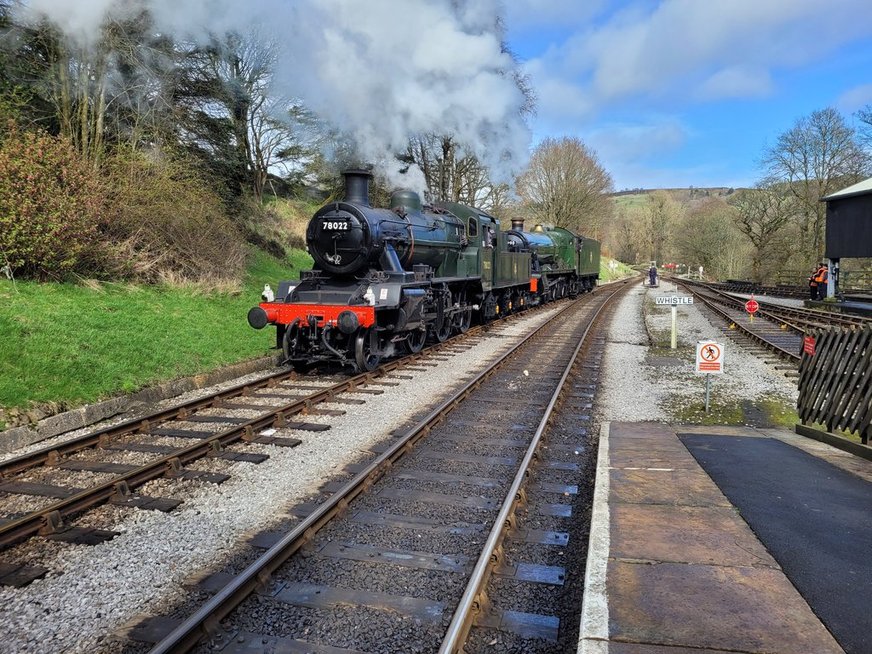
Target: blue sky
[{"x": 677, "y": 93}]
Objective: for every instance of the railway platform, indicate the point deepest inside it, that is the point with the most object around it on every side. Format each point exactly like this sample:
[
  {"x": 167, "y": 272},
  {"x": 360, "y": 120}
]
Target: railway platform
[
  {"x": 857, "y": 306},
  {"x": 727, "y": 539}
]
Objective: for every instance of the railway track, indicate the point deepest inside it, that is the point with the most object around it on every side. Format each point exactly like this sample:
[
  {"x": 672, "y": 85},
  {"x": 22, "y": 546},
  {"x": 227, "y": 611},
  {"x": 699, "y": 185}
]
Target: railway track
[
  {"x": 416, "y": 548},
  {"x": 45, "y": 491},
  {"x": 785, "y": 290},
  {"x": 775, "y": 327},
  {"x": 769, "y": 328}
]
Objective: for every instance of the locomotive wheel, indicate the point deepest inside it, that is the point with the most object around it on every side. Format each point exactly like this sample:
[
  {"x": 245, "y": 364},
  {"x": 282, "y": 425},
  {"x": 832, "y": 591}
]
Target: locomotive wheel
[
  {"x": 442, "y": 331},
  {"x": 462, "y": 320},
  {"x": 366, "y": 350},
  {"x": 415, "y": 340},
  {"x": 442, "y": 326}
]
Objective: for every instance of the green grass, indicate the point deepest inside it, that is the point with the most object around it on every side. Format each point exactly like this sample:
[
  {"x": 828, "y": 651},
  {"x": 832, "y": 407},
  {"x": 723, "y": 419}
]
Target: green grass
[
  {"x": 619, "y": 271},
  {"x": 631, "y": 200},
  {"x": 692, "y": 411},
  {"x": 766, "y": 410},
  {"x": 73, "y": 344},
  {"x": 779, "y": 412}
]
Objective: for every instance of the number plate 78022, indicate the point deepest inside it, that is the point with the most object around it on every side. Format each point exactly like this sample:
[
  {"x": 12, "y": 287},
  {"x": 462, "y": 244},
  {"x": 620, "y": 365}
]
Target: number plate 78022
[{"x": 335, "y": 225}]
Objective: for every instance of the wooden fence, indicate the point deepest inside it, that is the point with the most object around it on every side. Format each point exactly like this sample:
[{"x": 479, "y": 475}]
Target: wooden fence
[{"x": 835, "y": 383}]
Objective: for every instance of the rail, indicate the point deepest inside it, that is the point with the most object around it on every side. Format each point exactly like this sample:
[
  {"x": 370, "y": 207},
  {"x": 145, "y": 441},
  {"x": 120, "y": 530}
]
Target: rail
[{"x": 471, "y": 601}]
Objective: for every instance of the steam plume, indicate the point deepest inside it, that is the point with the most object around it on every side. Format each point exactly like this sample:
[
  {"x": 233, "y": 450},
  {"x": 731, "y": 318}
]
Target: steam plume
[{"x": 380, "y": 71}]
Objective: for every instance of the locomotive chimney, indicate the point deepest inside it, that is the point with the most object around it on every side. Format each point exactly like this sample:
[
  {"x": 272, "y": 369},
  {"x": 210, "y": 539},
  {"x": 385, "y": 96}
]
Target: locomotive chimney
[
  {"x": 357, "y": 185},
  {"x": 518, "y": 224}
]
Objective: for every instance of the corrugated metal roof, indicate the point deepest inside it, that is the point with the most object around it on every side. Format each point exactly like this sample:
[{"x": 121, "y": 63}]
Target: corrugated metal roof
[{"x": 860, "y": 188}]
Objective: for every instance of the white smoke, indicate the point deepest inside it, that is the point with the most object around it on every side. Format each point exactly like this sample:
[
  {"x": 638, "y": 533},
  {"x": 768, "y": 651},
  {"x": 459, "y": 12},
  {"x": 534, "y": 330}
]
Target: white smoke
[{"x": 380, "y": 71}]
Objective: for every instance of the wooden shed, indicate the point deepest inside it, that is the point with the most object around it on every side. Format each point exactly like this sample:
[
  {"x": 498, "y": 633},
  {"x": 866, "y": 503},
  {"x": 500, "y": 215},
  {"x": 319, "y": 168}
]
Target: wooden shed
[
  {"x": 849, "y": 227},
  {"x": 849, "y": 222}
]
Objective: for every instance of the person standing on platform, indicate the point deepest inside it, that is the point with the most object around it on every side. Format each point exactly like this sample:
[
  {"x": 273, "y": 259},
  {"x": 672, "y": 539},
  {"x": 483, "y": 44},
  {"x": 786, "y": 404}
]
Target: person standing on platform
[
  {"x": 812, "y": 284},
  {"x": 652, "y": 276},
  {"x": 820, "y": 278}
]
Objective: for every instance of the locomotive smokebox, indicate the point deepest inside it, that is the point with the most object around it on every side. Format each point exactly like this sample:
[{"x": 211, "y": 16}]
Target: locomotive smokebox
[
  {"x": 357, "y": 186},
  {"x": 518, "y": 224}
]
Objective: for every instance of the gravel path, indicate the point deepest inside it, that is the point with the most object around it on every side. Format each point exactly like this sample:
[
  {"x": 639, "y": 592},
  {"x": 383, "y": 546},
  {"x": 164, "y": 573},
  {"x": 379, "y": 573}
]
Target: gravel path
[
  {"x": 645, "y": 380},
  {"x": 93, "y": 591}
]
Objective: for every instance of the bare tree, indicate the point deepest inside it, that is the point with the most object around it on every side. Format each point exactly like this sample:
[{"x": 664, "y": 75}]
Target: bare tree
[
  {"x": 659, "y": 217},
  {"x": 565, "y": 186},
  {"x": 864, "y": 129},
  {"x": 231, "y": 115},
  {"x": 817, "y": 156},
  {"x": 761, "y": 214},
  {"x": 97, "y": 95},
  {"x": 624, "y": 235},
  {"x": 706, "y": 236}
]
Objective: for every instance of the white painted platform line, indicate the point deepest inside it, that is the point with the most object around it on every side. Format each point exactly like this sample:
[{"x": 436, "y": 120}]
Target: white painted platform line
[{"x": 594, "y": 632}]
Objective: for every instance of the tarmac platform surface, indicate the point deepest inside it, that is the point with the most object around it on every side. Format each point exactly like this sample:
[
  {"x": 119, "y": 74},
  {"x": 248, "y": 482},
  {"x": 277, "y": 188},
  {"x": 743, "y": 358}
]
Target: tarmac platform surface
[{"x": 674, "y": 568}]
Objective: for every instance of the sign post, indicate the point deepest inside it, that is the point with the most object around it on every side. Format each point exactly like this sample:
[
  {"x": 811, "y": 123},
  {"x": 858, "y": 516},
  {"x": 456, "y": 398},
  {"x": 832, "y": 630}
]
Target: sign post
[
  {"x": 673, "y": 301},
  {"x": 709, "y": 361},
  {"x": 751, "y": 306}
]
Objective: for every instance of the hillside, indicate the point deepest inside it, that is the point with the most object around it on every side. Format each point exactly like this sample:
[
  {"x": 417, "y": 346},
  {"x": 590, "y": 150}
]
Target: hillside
[{"x": 637, "y": 197}]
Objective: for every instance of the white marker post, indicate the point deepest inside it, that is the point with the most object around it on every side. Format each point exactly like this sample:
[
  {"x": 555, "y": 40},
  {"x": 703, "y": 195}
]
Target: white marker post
[
  {"x": 674, "y": 301},
  {"x": 709, "y": 361}
]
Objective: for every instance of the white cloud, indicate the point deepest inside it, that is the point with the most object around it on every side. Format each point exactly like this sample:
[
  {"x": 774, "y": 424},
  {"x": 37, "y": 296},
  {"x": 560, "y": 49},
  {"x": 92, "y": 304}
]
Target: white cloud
[
  {"x": 735, "y": 82},
  {"x": 693, "y": 48},
  {"x": 647, "y": 59},
  {"x": 855, "y": 98},
  {"x": 524, "y": 15},
  {"x": 634, "y": 142}
]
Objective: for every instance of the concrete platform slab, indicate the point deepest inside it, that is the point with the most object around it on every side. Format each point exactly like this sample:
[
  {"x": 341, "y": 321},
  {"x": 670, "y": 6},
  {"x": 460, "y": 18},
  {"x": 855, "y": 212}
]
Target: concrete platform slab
[
  {"x": 737, "y": 609},
  {"x": 685, "y": 487},
  {"x": 634, "y": 648},
  {"x": 685, "y": 534}
]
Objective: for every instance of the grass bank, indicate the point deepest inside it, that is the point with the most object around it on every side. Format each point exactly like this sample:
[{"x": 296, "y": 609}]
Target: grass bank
[{"x": 77, "y": 343}]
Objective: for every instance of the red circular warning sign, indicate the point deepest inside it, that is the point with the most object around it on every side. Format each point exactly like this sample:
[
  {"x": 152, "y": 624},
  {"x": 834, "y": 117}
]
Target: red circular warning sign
[
  {"x": 751, "y": 306},
  {"x": 710, "y": 352}
]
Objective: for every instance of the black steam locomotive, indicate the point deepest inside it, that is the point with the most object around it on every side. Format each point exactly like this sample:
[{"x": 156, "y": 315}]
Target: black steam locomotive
[{"x": 385, "y": 281}]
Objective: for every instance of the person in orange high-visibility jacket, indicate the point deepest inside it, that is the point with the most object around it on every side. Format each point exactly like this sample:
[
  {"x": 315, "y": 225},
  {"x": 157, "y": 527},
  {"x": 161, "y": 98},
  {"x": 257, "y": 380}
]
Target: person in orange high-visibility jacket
[{"x": 820, "y": 278}]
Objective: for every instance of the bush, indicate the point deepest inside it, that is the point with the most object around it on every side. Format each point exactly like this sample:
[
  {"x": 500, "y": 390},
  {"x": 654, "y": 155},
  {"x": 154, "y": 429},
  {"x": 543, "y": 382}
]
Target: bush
[
  {"x": 167, "y": 224},
  {"x": 50, "y": 200},
  {"x": 276, "y": 227}
]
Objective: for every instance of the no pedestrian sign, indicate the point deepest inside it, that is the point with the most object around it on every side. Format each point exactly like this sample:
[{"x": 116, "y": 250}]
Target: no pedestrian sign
[{"x": 709, "y": 357}]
